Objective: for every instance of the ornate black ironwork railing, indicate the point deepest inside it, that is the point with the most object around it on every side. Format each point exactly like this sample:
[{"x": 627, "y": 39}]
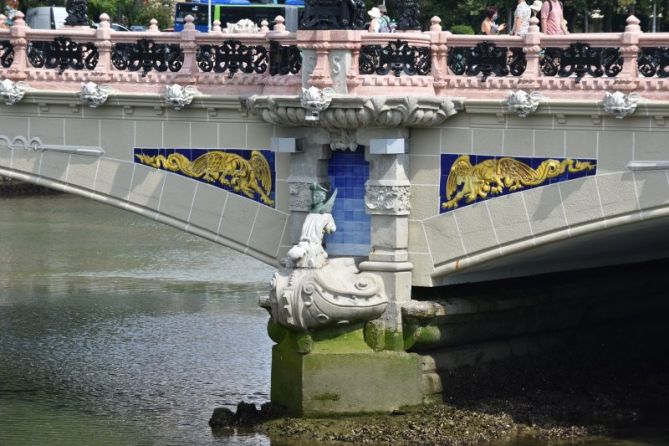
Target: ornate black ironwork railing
[
  {"x": 231, "y": 57},
  {"x": 397, "y": 56},
  {"x": 653, "y": 61},
  {"x": 63, "y": 53},
  {"x": 580, "y": 59},
  {"x": 147, "y": 55},
  {"x": 486, "y": 59},
  {"x": 284, "y": 59},
  {"x": 6, "y": 53},
  {"x": 334, "y": 14}
]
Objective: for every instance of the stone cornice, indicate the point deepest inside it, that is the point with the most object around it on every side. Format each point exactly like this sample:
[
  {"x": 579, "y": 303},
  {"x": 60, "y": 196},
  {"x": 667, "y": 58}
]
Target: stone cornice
[
  {"x": 353, "y": 112},
  {"x": 129, "y": 99},
  {"x": 548, "y": 106}
]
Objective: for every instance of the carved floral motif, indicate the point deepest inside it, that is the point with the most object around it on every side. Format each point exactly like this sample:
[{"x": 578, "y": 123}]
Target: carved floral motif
[
  {"x": 388, "y": 199},
  {"x": 11, "y": 92},
  {"x": 523, "y": 103},
  {"x": 619, "y": 104},
  {"x": 355, "y": 112}
]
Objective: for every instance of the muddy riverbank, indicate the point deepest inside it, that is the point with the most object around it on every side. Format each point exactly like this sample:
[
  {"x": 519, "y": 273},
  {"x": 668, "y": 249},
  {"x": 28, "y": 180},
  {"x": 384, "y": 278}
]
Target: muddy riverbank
[{"x": 592, "y": 392}]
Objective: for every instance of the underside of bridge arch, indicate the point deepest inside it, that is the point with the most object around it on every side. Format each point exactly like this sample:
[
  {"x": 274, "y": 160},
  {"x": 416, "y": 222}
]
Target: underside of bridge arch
[
  {"x": 623, "y": 240},
  {"x": 208, "y": 212}
]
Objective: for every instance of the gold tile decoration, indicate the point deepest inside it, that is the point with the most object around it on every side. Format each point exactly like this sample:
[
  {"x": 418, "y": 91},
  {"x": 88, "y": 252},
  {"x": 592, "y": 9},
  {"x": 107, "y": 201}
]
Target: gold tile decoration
[
  {"x": 245, "y": 176},
  {"x": 498, "y": 176}
]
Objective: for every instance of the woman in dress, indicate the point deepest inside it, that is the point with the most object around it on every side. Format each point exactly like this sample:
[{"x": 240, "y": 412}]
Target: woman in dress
[
  {"x": 489, "y": 26},
  {"x": 521, "y": 21}
]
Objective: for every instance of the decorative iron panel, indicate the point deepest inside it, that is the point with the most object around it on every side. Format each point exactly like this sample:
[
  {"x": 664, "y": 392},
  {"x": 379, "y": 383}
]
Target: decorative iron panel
[
  {"x": 397, "y": 56},
  {"x": 486, "y": 59},
  {"x": 63, "y": 53},
  {"x": 284, "y": 59},
  {"x": 334, "y": 14},
  {"x": 147, "y": 55},
  {"x": 580, "y": 59},
  {"x": 231, "y": 57},
  {"x": 6, "y": 53},
  {"x": 654, "y": 61}
]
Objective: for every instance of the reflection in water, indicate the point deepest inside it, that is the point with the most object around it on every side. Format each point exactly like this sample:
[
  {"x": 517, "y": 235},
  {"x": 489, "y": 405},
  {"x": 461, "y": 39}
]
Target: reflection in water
[{"x": 121, "y": 330}]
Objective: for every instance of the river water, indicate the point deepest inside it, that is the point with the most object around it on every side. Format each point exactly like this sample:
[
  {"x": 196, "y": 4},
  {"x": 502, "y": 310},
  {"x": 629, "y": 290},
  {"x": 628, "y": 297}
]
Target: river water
[{"x": 117, "y": 330}]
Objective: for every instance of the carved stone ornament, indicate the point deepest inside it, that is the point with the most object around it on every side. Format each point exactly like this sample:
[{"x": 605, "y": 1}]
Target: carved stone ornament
[
  {"x": 337, "y": 294},
  {"x": 243, "y": 26},
  {"x": 10, "y": 92},
  {"x": 343, "y": 139},
  {"x": 619, "y": 104},
  {"x": 354, "y": 112},
  {"x": 94, "y": 95},
  {"x": 523, "y": 103},
  {"x": 315, "y": 100},
  {"x": 311, "y": 291},
  {"x": 179, "y": 97},
  {"x": 388, "y": 199}
]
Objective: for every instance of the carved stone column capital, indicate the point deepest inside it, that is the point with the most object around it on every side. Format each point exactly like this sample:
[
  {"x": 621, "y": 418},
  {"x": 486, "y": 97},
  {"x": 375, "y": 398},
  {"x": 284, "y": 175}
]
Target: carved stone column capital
[
  {"x": 299, "y": 195},
  {"x": 383, "y": 199}
]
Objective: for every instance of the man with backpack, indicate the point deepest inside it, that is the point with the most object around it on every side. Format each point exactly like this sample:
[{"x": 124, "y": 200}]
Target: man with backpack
[
  {"x": 384, "y": 20},
  {"x": 552, "y": 18}
]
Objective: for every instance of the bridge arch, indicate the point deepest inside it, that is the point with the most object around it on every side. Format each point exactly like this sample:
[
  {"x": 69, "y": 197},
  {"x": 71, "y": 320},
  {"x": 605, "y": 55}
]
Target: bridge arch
[
  {"x": 502, "y": 235},
  {"x": 91, "y": 153}
]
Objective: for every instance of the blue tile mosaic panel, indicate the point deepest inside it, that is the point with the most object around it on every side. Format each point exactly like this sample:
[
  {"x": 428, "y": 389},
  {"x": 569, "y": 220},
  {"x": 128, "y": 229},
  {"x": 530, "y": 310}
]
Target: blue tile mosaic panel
[
  {"x": 249, "y": 173},
  {"x": 468, "y": 179},
  {"x": 348, "y": 172}
]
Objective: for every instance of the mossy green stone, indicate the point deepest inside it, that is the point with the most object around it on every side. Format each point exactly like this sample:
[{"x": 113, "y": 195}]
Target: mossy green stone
[{"x": 343, "y": 375}]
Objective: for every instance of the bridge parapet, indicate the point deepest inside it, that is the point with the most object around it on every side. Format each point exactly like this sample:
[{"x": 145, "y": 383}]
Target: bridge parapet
[{"x": 352, "y": 62}]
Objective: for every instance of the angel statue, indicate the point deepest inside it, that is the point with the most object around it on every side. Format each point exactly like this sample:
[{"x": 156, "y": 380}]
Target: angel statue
[{"x": 309, "y": 252}]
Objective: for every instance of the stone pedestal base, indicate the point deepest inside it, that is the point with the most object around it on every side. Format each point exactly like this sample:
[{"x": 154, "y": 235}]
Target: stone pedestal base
[{"x": 340, "y": 374}]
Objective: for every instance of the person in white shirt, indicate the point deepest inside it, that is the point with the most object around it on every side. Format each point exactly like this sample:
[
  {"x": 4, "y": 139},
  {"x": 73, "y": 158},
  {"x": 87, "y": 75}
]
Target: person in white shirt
[{"x": 521, "y": 22}]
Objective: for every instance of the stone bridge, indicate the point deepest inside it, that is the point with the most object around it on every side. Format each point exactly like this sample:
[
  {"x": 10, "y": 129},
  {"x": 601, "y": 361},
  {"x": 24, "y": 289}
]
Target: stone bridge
[{"x": 457, "y": 160}]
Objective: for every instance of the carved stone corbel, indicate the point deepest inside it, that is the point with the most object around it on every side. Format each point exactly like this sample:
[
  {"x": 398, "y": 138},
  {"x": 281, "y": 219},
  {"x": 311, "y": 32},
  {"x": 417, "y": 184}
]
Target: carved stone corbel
[
  {"x": 12, "y": 92},
  {"x": 94, "y": 95},
  {"x": 523, "y": 103},
  {"x": 619, "y": 104},
  {"x": 179, "y": 97},
  {"x": 315, "y": 100}
]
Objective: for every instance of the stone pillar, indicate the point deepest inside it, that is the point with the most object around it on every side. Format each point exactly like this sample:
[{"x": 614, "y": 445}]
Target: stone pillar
[
  {"x": 532, "y": 49},
  {"x": 387, "y": 194},
  {"x": 104, "y": 45},
  {"x": 189, "y": 47},
  {"x": 18, "y": 40},
  {"x": 628, "y": 79}
]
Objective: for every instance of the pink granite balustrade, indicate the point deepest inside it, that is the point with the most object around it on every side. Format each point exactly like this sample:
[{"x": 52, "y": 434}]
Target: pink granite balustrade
[{"x": 336, "y": 58}]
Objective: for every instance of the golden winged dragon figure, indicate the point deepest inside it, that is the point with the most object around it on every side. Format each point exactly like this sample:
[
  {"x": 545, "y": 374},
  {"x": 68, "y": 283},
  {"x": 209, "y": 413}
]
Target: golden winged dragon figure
[
  {"x": 252, "y": 176},
  {"x": 493, "y": 175}
]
